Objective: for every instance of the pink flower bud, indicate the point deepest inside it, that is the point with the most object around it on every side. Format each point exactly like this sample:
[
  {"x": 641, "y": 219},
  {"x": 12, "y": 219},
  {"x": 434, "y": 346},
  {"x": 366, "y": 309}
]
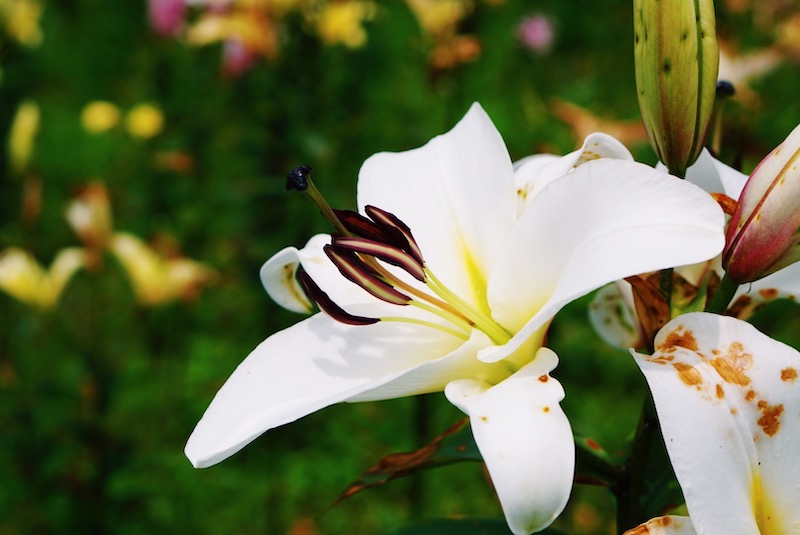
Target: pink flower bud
[{"x": 764, "y": 232}]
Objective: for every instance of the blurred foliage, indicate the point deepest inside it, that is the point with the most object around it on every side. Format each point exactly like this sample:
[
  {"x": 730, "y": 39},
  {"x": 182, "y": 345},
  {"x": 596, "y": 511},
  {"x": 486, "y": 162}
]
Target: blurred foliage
[{"x": 99, "y": 392}]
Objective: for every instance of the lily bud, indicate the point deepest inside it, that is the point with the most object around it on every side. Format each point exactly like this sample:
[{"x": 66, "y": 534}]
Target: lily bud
[
  {"x": 676, "y": 56},
  {"x": 764, "y": 232}
]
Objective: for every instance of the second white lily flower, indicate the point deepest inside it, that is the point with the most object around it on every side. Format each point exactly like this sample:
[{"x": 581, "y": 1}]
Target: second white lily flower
[{"x": 728, "y": 401}]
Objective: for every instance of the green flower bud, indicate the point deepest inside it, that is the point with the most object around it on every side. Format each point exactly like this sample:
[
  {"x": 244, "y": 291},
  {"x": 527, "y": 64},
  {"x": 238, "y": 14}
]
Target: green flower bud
[{"x": 676, "y": 56}]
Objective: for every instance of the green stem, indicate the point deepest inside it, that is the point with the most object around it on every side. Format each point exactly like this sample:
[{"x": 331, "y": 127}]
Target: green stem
[
  {"x": 631, "y": 481},
  {"x": 422, "y": 430},
  {"x": 594, "y": 464},
  {"x": 723, "y": 296},
  {"x": 665, "y": 276}
]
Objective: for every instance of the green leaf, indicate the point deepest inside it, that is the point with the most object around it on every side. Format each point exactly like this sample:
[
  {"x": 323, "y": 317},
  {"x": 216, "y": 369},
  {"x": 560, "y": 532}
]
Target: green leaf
[
  {"x": 660, "y": 490},
  {"x": 594, "y": 466}
]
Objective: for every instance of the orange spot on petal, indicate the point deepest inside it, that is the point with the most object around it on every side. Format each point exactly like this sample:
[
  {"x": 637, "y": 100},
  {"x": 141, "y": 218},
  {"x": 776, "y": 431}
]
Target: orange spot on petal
[
  {"x": 770, "y": 417},
  {"x": 688, "y": 374},
  {"x": 677, "y": 339},
  {"x": 657, "y": 524},
  {"x": 788, "y": 374},
  {"x": 663, "y": 359},
  {"x": 732, "y": 365},
  {"x": 543, "y": 378}
]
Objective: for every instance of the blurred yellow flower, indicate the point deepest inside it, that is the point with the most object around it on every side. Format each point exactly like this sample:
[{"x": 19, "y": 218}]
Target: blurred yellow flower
[
  {"x": 439, "y": 17},
  {"x": 144, "y": 120},
  {"x": 24, "y": 279},
  {"x": 22, "y": 135},
  {"x": 89, "y": 215},
  {"x": 789, "y": 34},
  {"x": 21, "y": 19},
  {"x": 252, "y": 27},
  {"x": 342, "y": 22},
  {"x": 157, "y": 279},
  {"x": 99, "y": 116}
]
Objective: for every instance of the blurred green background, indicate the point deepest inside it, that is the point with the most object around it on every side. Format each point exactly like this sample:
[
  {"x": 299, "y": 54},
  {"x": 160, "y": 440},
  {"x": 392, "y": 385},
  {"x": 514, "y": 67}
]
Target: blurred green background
[{"x": 99, "y": 391}]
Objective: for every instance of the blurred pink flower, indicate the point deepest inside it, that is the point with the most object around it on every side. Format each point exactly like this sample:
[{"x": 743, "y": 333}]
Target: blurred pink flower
[
  {"x": 166, "y": 16},
  {"x": 237, "y": 58},
  {"x": 537, "y": 33}
]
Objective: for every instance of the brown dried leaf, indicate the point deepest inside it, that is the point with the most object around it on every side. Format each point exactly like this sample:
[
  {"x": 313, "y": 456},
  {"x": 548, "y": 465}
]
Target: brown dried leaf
[
  {"x": 651, "y": 308},
  {"x": 454, "y": 445}
]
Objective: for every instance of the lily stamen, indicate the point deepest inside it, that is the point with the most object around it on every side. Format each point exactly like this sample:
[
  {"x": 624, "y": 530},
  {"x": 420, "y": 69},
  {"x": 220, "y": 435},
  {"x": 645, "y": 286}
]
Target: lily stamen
[
  {"x": 357, "y": 269},
  {"x": 390, "y": 221},
  {"x": 356, "y": 252},
  {"x": 381, "y": 251},
  {"x": 327, "y": 305},
  {"x": 402, "y": 319},
  {"x": 353, "y": 268},
  {"x": 485, "y": 323}
]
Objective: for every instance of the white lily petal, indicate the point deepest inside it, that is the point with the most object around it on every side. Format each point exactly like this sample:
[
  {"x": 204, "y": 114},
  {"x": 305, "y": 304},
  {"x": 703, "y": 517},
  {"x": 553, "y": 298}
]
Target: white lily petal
[
  {"x": 279, "y": 280},
  {"x": 456, "y": 193},
  {"x": 278, "y": 276},
  {"x": 612, "y": 318},
  {"x": 525, "y": 440},
  {"x": 664, "y": 525},
  {"x": 319, "y": 362},
  {"x": 541, "y": 159},
  {"x": 728, "y": 399},
  {"x": 434, "y": 375},
  {"x": 527, "y": 173},
  {"x": 535, "y": 172},
  {"x": 624, "y": 218},
  {"x": 714, "y": 176}
]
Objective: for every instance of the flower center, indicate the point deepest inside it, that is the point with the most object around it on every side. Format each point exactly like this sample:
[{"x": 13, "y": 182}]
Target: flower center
[{"x": 364, "y": 248}]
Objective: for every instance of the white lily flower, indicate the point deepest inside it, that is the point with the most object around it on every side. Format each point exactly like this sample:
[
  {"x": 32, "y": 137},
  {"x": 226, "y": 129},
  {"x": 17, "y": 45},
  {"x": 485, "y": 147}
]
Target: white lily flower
[
  {"x": 486, "y": 274},
  {"x": 728, "y": 400}
]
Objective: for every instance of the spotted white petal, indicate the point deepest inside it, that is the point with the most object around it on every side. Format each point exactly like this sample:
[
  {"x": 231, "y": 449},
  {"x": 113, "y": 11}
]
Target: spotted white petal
[
  {"x": 525, "y": 440},
  {"x": 728, "y": 400},
  {"x": 664, "y": 525}
]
